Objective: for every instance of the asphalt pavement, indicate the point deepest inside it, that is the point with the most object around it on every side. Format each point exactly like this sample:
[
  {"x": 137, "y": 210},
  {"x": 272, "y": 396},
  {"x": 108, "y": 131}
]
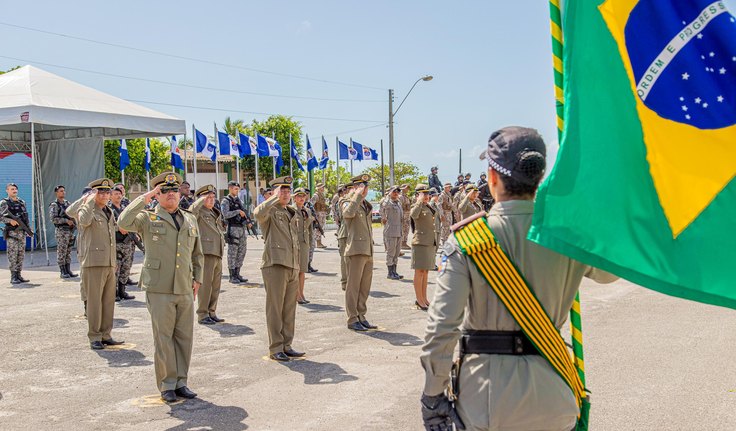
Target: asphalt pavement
[{"x": 653, "y": 362}]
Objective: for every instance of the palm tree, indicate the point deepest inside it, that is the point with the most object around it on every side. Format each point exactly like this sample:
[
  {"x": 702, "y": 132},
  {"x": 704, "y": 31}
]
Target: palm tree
[{"x": 232, "y": 127}]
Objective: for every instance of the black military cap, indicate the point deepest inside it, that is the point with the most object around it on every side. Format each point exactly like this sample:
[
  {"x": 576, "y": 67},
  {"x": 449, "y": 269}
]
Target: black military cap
[
  {"x": 233, "y": 184},
  {"x": 101, "y": 184},
  {"x": 508, "y": 146},
  {"x": 281, "y": 182},
  {"x": 204, "y": 190},
  {"x": 361, "y": 179},
  {"x": 301, "y": 191},
  {"x": 56, "y": 189},
  {"x": 169, "y": 181}
]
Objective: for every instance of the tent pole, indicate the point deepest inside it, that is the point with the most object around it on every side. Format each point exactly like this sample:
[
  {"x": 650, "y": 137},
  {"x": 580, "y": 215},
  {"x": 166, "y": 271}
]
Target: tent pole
[{"x": 33, "y": 190}]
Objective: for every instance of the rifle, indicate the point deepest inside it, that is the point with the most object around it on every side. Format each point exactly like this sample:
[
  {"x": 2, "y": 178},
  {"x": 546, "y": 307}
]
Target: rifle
[
  {"x": 20, "y": 222},
  {"x": 315, "y": 223},
  {"x": 136, "y": 240}
]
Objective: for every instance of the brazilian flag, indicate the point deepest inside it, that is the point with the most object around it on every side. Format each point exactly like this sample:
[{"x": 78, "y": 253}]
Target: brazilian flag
[{"x": 643, "y": 184}]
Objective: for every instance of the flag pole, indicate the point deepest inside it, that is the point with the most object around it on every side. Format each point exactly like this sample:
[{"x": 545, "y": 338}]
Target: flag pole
[
  {"x": 148, "y": 171},
  {"x": 337, "y": 161},
  {"x": 575, "y": 318},
  {"x": 273, "y": 159},
  {"x": 194, "y": 156},
  {"x": 186, "y": 163},
  {"x": 217, "y": 170},
  {"x": 351, "y": 160},
  {"x": 258, "y": 183},
  {"x": 310, "y": 173},
  {"x": 291, "y": 162},
  {"x": 383, "y": 187},
  {"x": 237, "y": 159}
]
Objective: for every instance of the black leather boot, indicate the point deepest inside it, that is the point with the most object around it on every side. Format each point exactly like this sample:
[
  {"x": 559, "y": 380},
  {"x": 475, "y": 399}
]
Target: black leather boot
[
  {"x": 85, "y": 309},
  {"x": 122, "y": 293},
  {"x": 398, "y": 276},
  {"x": 69, "y": 271},
  {"x": 118, "y": 298},
  {"x": 240, "y": 277},
  {"x": 20, "y": 277},
  {"x": 14, "y": 278},
  {"x": 233, "y": 277},
  {"x": 62, "y": 271}
]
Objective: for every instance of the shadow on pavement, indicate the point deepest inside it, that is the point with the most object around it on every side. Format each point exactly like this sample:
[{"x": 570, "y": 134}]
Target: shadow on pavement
[
  {"x": 379, "y": 294},
  {"x": 119, "y": 323},
  {"x": 131, "y": 303},
  {"x": 323, "y": 274},
  {"x": 395, "y": 338},
  {"x": 320, "y": 373},
  {"x": 228, "y": 330},
  {"x": 200, "y": 414},
  {"x": 24, "y": 286},
  {"x": 322, "y": 308},
  {"x": 124, "y": 358}
]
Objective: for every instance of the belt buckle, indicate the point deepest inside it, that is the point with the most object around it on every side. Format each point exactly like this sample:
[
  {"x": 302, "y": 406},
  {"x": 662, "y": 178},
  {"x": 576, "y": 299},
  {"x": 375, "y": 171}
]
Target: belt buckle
[{"x": 518, "y": 345}]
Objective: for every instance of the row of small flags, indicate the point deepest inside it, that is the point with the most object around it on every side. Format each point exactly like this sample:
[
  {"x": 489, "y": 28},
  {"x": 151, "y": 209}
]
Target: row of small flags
[{"x": 250, "y": 146}]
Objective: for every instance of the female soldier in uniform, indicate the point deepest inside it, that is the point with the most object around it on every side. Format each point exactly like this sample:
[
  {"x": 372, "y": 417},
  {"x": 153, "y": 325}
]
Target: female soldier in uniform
[
  {"x": 423, "y": 245},
  {"x": 305, "y": 239},
  {"x": 502, "y": 385}
]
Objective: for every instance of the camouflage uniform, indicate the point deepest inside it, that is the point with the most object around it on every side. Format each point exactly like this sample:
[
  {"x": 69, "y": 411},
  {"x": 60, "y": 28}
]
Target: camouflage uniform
[
  {"x": 319, "y": 203},
  {"x": 445, "y": 205},
  {"x": 406, "y": 209},
  {"x": 63, "y": 232},
  {"x": 230, "y": 208},
  {"x": 15, "y": 237}
]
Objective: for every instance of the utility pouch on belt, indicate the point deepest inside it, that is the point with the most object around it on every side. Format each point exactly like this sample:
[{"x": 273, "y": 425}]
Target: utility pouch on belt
[{"x": 477, "y": 241}]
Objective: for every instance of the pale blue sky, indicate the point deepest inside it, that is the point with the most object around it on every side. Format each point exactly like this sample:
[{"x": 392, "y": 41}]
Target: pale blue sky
[{"x": 491, "y": 62}]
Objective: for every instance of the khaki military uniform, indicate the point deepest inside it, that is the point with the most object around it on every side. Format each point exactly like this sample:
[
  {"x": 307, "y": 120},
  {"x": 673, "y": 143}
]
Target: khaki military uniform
[
  {"x": 405, "y": 221},
  {"x": 356, "y": 213},
  {"x": 305, "y": 237},
  {"x": 392, "y": 216},
  {"x": 280, "y": 268},
  {"x": 98, "y": 258},
  {"x": 173, "y": 260},
  {"x": 437, "y": 224},
  {"x": 73, "y": 212},
  {"x": 212, "y": 240},
  {"x": 320, "y": 207},
  {"x": 456, "y": 201},
  {"x": 342, "y": 238},
  {"x": 445, "y": 205},
  {"x": 423, "y": 245},
  {"x": 469, "y": 208},
  {"x": 502, "y": 392},
  {"x": 63, "y": 232}
]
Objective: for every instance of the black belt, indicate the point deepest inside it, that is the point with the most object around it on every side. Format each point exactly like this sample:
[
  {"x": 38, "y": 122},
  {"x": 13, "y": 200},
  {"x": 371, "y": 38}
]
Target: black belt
[
  {"x": 496, "y": 343},
  {"x": 66, "y": 226}
]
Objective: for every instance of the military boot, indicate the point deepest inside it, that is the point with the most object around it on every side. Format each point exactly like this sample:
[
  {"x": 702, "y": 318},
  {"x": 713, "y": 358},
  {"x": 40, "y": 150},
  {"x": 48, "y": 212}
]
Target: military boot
[
  {"x": 14, "y": 278},
  {"x": 233, "y": 277},
  {"x": 118, "y": 298},
  {"x": 398, "y": 276},
  {"x": 20, "y": 277},
  {"x": 69, "y": 271},
  {"x": 392, "y": 275},
  {"x": 240, "y": 277},
  {"x": 63, "y": 273},
  {"x": 122, "y": 293}
]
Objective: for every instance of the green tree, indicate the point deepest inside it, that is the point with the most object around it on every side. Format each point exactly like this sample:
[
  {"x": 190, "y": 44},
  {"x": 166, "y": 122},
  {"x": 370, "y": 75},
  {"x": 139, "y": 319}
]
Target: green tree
[
  {"x": 404, "y": 173},
  {"x": 135, "y": 173}
]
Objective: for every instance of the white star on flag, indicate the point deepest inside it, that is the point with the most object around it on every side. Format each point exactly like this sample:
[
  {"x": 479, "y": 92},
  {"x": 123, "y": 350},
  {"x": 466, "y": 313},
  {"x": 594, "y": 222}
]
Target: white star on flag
[
  {"x": 720, "y": 98},
  {"x": 697, "y": 100},
  {"x": 711, "y": 54},
  {"x": 684, "y": 108},
  {"x": 685, "y": 76},
  {"x": 687, "y": 116},
  {"x": 705, "y": 105},
  {"x": 700, "y": 35},
  {"x": 722, "y": 71}
]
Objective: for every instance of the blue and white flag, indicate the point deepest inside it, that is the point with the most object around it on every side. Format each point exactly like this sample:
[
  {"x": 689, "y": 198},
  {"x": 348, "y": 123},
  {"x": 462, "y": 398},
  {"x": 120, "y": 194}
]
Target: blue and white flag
[
  {"x": 295, "y": 155},
  {"x": 365, "y": 152},
  {"x": 176, "y": 160},
  {"x": 124, "y": 157},
  {"x": 325, "y": 155},
  {"x": 311, "y": 158},
  {"x": 204, "y": 146},
  {"x": 147, "y": 156},
  {"x": 267, "y": 147},
  {"x": 279, "y": 160},
  {"x": 358, "y": 147},
  {"x": 347, "y": 153},
  {"x": 248, "y": 146},
  {"x": 228, "y": 145}
]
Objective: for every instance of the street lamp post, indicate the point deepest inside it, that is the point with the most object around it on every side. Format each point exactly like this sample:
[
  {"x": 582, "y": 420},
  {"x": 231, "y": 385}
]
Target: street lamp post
[{"x": 391, "y": 114}]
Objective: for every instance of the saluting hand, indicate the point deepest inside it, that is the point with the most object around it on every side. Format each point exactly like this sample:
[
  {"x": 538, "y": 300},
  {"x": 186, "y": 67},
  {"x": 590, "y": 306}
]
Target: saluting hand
[{"x": 150, "y": 195}]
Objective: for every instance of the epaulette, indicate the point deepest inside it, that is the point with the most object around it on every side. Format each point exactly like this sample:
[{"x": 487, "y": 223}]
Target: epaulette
[{"x": 462, "y": 223}]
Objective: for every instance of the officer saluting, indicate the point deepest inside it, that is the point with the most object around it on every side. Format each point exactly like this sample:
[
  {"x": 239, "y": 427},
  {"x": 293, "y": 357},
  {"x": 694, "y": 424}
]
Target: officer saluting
[
  {"x": 505, "y": 381},
  {"x": 280, "y": 267},
  {"x": 171, "y": 276},
  {"x": 64, "y": 227},
  {"x": 234, "y": 214},
  {"x": 98, "y": 258},
  {"x": 15, "y": 216},
  {"x": 212, "y": 238},
  {"x": 356, "y": 213},
  {"x": 342, "y": 235},
  {"x": 469, "y": 206}
]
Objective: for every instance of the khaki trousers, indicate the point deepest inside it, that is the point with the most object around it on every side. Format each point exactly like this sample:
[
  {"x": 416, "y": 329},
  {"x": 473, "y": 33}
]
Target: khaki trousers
[
  {"x": 341, "y": 242},
  {"x": 282, "y": 284},
  {"x": 209, "y": 292},
  {"x": 393, "y": 249},
  {"x": 99, "y": 290},
  {"x": 360, "y": 275},
  {"x": 172, "y": 321}
]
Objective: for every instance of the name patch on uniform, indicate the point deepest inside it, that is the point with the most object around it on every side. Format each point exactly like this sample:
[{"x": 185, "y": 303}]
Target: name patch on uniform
[
  {"x": 442, "y": 265},
  {"x": 153, "y": 217},
  {"x": 154, "y": 238}
]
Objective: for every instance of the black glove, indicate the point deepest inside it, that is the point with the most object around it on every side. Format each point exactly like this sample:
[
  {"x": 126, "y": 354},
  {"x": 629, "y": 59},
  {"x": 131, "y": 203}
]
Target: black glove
[{"x": 438, "y": 414}]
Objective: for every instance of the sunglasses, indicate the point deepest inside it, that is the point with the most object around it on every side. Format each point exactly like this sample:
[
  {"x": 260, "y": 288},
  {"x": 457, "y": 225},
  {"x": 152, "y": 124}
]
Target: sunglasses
[{"x": 165, "y": 190}]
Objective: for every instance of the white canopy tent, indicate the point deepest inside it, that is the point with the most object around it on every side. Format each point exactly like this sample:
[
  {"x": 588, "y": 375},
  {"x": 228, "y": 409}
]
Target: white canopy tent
[{"x": 40, "y": 110}]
